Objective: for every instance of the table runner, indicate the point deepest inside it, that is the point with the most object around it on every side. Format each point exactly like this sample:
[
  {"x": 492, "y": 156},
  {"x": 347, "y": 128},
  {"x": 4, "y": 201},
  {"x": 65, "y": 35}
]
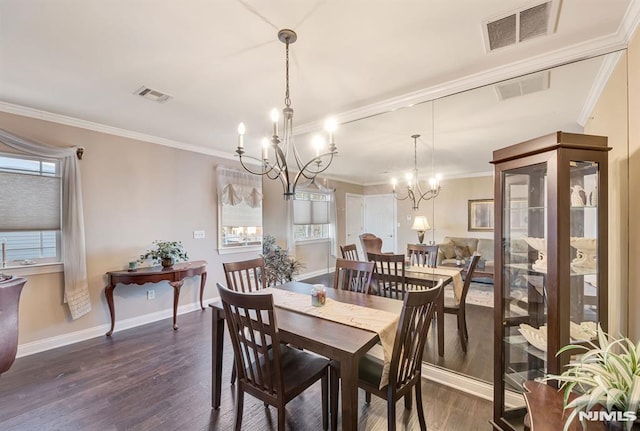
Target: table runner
[
  {"x": 454, "y": 273},
  {"x": 381, "y": 322}
]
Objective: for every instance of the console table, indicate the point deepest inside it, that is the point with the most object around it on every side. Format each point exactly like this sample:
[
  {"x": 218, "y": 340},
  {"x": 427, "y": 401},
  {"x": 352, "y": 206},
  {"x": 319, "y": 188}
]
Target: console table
[{"x": 175, "y": 275}]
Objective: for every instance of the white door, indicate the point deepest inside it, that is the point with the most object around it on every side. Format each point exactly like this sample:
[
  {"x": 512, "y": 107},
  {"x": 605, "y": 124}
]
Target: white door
[
  {"x": 354, "y": 215},
  {"x": 380, "y": 219}
]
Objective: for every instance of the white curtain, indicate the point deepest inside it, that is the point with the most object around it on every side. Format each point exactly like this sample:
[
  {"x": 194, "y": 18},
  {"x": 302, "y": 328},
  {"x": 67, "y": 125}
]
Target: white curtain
[
  {"x": 235, "y": 187},
  {"x": 76, "y": 287}
]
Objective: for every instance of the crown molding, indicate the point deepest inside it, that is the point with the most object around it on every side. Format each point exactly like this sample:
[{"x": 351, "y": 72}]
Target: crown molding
[
  {"x": 24, "y": 111},
  {"x": 604, "y": 73},
  {"x": 577, "y": 52}
]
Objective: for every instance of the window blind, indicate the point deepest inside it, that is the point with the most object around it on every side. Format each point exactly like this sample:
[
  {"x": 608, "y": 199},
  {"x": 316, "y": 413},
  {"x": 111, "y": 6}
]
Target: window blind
[
  {"x": 29, "y": 202},
  {"x": 310, "y": 212}
]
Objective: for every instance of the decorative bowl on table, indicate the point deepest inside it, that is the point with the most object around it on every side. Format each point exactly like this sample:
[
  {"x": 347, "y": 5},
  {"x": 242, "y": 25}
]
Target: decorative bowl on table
[
  {"x": 540, "y": 244},
  {"x": 586, "y": 253},
  {"x": 534, "y": 336}
]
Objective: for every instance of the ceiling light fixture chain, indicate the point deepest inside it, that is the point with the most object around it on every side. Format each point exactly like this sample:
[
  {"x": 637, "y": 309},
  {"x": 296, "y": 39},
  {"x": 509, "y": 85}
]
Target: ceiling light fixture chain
[
  {"x": 414, "y": 191},
  {"x": 277, "y": 167}
]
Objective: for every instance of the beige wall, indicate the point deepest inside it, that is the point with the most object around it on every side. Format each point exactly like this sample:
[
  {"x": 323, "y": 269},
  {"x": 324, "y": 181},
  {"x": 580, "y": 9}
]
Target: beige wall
[
  {"x": 609, "y": 118},
  {"x": 633, "y": 58},
  {"x": 134, "y": 192}
]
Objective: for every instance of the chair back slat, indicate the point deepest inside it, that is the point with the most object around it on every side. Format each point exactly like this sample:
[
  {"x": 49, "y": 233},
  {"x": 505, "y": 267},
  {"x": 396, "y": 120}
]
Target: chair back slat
[
  {"x": 411, "y": 335},
  {"x": 254, "y": 336},
  {"x": 349, "y": 251},
  {"x": 246, "y": 275},
  {"x": 473, "y": 262},
  {"x": 353, "y": 275},
  {"x": 388, "y": 274},
  {"x": 422, "y": 255}
]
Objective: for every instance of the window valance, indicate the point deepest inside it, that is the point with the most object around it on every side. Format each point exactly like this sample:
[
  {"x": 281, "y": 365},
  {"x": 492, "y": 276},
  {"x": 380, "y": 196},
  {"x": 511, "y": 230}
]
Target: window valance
[{"x": 235, "y": 187}]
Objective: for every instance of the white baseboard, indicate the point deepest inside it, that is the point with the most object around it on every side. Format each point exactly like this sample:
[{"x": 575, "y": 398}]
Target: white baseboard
[
  {"x": 312, "y": 274},
  {"x": 27, "y": 349},
  {"x": 468, "y": 385}
]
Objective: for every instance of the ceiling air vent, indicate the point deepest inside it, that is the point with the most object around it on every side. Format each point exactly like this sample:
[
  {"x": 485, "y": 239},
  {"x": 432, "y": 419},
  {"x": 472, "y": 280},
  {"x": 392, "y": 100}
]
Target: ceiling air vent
[
  {"x": 522, "y": 86},
  {"x": 521, "y": 25},
  {"x": 155, "y": 95}
]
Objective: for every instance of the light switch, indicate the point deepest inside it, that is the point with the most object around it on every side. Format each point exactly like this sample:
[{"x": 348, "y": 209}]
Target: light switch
[{"x": 198, "y": 234}]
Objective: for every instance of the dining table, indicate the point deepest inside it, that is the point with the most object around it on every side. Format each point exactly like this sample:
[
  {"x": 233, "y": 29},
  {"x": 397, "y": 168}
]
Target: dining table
[{"x": 339, "y": 342}]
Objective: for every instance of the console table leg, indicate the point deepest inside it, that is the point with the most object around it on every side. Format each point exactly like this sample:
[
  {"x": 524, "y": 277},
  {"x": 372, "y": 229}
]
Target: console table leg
[
  {"x": 203, "y": 281},
  {"x": 108, "y": 293},
  {"x": 176, "y": 296}
]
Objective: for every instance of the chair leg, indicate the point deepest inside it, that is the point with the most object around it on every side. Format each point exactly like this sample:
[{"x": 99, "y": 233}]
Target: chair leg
[
  {"x": 367, "y": 397},
  {"x": 408, "y": 401},
  {"x": 334, "y": 385},
  {"x": 239, "y": 407},
  {"x": 461, "y": 335},
  {"x": 233, "y": 372},
  {"x": 423, "y": 424},
  {"x": 325, "y": 402},
  {"x": 281, "y": 418},
  {"x": 391, "y": 414}
]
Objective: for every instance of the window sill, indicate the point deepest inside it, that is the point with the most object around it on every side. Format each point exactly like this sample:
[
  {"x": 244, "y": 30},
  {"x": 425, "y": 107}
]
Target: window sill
[
  {"x": 240, "y": 249},
  {"x": 38, "y": 268}
]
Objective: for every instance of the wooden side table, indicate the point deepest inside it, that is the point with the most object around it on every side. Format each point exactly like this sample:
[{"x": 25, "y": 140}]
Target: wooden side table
[{"x": 175, "y": 275}]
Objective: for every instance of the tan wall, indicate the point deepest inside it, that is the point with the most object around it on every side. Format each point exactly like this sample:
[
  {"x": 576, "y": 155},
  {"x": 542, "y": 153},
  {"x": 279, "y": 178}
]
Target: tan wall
[
  {"x": 633, "y": 58},
  {"x": 609, "y": 118},
  {"x": 315, "y": 256},
  {"x": 134, "y": 192}
]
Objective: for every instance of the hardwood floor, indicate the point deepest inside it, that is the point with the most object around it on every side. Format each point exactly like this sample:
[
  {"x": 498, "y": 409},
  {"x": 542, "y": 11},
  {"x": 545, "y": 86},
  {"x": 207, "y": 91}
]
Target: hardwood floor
[
  {"x": 154, "y": 378},
  {"x": 477, "y": 362}
]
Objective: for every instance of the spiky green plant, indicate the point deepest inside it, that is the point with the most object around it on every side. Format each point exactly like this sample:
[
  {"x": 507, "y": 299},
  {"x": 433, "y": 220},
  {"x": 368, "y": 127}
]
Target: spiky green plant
[
  {"x": 606, "y": 374},
  {"x": 165, "y": 250},
  {"x": 278, "y": 266}
]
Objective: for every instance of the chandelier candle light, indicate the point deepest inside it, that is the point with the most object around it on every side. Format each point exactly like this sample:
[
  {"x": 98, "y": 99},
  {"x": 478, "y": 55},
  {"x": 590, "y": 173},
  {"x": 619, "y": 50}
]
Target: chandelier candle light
[
  {"x": 276, "y": 167},
  {"x": 414, "y": 192}
]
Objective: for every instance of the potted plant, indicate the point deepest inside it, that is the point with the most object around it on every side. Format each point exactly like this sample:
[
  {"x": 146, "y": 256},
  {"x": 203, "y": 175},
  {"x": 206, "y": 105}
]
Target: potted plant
[
  {"x": 165, "y": 252},
  {"x": 606, "y": 376},
  {"x": 279, "y": 267}
]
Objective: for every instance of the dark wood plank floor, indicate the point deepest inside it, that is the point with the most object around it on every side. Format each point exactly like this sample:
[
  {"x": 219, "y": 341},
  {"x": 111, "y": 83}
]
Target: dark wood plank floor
[
  {"x": 154, "y": 378},
  {"x": 477, "y": 362}
]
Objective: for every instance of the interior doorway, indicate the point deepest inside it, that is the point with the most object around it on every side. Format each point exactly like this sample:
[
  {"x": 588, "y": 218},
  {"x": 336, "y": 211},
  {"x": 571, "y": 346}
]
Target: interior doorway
[
  {"x": 354, "y": 215},
  {"x": 380, "y": 219}
]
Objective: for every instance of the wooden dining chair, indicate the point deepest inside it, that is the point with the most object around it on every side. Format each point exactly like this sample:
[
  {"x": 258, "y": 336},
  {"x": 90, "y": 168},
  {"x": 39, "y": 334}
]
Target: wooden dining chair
[
  {"x": 349, "y": 251},
  {"x": 244, "y": 276},
  {"x": 432, "y": 256},
  {"x": 405, "y": 371},
  {"x": 417, "y": 254},
  {"x": 353, "y": 275},
  {"x": 459, "y": 309},
  {"x": 260, "y": 367},
  {"x": 388, "y": 274}
]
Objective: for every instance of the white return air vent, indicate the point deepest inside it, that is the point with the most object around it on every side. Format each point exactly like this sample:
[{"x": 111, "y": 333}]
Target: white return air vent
[
  {"x": 155, "y": 95},
  {"x": 523, "y": 85},
  {"x": 520, "y": 25}
]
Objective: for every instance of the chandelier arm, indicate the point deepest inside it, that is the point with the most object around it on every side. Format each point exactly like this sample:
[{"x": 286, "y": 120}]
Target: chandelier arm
[
  {"x": 264, "y": 171},
  {"x": 306, "y": 171}
]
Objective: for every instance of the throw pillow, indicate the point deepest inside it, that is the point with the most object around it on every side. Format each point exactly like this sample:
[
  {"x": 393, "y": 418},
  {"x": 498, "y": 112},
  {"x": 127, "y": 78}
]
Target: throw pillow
[
  {"x": 447, "y": 250},
  {"x": 462, "y": 252}
]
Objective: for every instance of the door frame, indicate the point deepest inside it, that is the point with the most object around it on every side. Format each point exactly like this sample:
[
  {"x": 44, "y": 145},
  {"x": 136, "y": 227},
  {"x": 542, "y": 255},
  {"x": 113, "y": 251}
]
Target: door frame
[{"x": 395, "y": 217}]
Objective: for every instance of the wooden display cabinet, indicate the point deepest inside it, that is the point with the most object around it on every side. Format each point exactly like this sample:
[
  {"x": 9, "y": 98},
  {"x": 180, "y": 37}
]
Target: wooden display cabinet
[{"x": 550, "y": 259}]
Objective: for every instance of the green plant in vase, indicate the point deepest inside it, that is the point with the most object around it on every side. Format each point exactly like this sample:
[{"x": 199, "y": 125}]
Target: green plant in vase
[
  {"x": 606, "y": 376},
  {"x": 165, "y": 252},
  {"x": 279, "y": 267}
]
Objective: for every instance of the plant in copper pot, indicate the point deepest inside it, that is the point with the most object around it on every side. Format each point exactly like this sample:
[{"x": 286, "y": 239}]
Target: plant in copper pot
[
  {"x": 605, "y": 380},
  {"x": 165, "y": 252}
]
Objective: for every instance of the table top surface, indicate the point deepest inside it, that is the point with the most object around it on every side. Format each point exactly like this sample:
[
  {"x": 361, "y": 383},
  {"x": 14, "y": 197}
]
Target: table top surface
[
  {"x": 312, "y": 330},
  {"x": 152, "y": 270}
]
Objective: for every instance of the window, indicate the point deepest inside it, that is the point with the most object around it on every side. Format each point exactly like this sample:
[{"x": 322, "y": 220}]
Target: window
[
  {"x": 30, "y": 209},
  {"x": 240, "y": 209},
  {"x": 311, "y": 216}
]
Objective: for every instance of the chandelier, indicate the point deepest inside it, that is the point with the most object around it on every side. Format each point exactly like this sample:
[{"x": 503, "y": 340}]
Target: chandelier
[
  {"x": 414, "y": 191},
  {"x": 275, "y": 166}
]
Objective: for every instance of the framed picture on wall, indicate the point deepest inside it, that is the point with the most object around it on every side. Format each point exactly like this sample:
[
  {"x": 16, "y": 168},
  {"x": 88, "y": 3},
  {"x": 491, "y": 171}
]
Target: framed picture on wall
[{"x": 481, "y": 216}]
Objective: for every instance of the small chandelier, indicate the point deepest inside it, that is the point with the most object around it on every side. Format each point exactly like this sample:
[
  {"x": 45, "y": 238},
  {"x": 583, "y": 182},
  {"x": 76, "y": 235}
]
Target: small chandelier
[
  {"x": 414, "y": 191},
  {"x": 276, "y": 167}
]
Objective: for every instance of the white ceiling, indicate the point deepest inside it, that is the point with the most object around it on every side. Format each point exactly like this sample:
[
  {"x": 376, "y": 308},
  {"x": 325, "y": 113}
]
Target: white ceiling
[{"x": 221, "y": 62}]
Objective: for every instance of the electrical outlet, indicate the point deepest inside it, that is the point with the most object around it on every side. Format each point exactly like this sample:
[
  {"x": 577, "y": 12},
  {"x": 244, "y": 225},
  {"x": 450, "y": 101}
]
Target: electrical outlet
[
  {"x": 151, "y": 294},
  {"x": 198, "y": 234}
]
